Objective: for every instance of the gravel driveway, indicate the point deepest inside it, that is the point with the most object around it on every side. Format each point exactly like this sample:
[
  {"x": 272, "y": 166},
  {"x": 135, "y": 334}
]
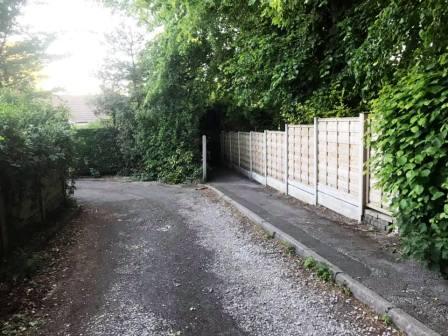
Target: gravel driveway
[{"x": 152, "y": 259}]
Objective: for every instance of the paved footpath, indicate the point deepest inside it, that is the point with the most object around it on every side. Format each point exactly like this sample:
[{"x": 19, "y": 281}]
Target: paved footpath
[
  {"x": 152, "y": 259},
  {"x": 369, "y": 257}
]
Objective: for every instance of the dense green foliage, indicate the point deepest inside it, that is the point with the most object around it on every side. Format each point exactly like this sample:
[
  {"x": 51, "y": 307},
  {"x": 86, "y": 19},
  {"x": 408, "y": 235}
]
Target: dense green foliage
[
  {"x": 262, "y": 63},
  {"x": 35, "y": 159},
  {"x": 410, "y": 120},
  {"x": 35, "y": 138},
  {"x": 120, "y": 108},
  {"x": 157, "y": 131},
  {"x": 21, "y": 53},
  {"x": 409, "y": 64},
  {"x": 97, "y": 152}
]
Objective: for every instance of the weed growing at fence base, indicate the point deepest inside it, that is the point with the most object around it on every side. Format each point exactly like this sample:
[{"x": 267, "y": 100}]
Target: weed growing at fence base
[
  {"x": 321, "y": 270},
  {"x": 347, "y": 291},
  {"x": 387, "y": 319}
]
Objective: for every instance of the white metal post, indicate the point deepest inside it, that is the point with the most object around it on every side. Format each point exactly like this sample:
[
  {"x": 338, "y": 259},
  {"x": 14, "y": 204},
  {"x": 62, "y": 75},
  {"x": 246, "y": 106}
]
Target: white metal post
[
  {"x": 316, "y": 161},
  {"x": 286, "y": 158},
  {"x": 265, "y": 154},
  {"x": 204, "y": 158},
  {"x": 362, "y": 160},
  {"x": 250, "y": 154}
]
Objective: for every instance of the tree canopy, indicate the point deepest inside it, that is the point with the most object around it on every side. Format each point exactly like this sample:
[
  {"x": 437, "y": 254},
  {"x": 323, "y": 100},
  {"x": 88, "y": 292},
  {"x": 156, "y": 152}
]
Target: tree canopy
[
  {"x": 263, "y": 63},
  {"x": 21, "y": 54},
  {"x": 35, "y": 137},
  {"x": 276, "y": 61}
]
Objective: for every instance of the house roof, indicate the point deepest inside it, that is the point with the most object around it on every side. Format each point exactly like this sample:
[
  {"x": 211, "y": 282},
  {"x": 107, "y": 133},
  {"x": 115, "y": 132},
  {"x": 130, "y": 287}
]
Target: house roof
[{"x": 81, "y": 108}]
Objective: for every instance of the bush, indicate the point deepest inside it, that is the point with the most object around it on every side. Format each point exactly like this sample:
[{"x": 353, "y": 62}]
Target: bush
[
  {"x": 410, "y": 122},
  {"x": 97, "y": 151},
  {"x": 35, "y": 138},
  {"x": 170, "y": 152},
  {"x": 36, "y": 151}
]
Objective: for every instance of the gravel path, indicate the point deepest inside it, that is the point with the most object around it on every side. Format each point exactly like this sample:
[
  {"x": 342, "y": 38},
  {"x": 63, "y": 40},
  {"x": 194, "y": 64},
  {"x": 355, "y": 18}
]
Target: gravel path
[
  {"x": 260, "y": 288},
  {"x": 162, "y": 260}
]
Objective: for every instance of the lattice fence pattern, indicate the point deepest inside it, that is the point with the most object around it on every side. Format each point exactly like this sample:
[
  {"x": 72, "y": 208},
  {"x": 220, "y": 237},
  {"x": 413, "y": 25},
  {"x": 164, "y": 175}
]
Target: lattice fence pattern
[
  {"x": 234, "y": 155},
  {"x": 225, "y": 147},
  {"x": 332, "y": 147},
  {"x": 301, "y": 153},
  {"x": 339, "y": 154},
  {"x": 244, "y": 150},
  {"x": 375, "y": 196},
  {"x": 258, "y": 152},
  {"x": 276, "y": 154}
]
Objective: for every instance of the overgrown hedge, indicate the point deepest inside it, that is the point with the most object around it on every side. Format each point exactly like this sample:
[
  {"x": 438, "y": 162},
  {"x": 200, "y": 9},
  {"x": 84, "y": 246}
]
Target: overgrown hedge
[
  {"x": 264, "y": 63},
  {"x": 169, "y": 146},
  {"x": 97, "y": 151},
  {"x": 35, "y": 156},
  {"x": 410, "y": 120}
]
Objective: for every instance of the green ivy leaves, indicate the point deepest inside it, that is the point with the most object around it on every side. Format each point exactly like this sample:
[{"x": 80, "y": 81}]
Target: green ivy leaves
[
  {"x": 262, "y": 63},
  {"x": 412, "y": 159}
]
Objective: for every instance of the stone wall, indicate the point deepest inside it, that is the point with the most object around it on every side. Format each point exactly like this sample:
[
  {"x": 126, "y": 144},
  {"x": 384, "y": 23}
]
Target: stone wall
[{"x": 377, "y": 219}]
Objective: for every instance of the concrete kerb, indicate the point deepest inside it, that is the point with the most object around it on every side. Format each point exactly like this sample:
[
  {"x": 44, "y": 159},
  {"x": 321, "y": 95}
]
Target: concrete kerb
[{"x": 400, "y": 318}]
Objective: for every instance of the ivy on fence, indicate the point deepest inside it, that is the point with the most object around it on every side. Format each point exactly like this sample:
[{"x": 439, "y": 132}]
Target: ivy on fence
[{"x": 410, "y": 120}]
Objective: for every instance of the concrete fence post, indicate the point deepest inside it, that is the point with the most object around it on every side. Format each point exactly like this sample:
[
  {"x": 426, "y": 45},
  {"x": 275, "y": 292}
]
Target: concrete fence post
[
  {"x": 239, "y": 151},
  {"x": 286, "y": 158},
  {"x": 204, "y": 158},
  {"x": 316, "y": 161},
  {"x": 250, "y": 154},
  {"x": 265, "y": 155},
  {"x": 362, "y": 161}
]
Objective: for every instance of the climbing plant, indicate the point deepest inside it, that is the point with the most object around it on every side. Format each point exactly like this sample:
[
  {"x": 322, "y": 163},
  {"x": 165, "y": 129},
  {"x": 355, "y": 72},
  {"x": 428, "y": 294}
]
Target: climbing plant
[
  {"x": 263, "y": 63},
  {"x": 410, "y": 122}
]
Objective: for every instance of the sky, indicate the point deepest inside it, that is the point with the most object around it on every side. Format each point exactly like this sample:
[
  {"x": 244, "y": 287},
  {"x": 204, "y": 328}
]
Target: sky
[{"x": 80, "y": 27}]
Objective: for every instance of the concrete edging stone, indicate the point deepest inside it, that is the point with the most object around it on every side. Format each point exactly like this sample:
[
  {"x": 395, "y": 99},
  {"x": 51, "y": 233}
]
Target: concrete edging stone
[{"x": 401, "y": 319}]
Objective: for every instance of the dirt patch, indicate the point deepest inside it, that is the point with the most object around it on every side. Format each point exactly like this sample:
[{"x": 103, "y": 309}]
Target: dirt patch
[{"x": 29, "y": 275}]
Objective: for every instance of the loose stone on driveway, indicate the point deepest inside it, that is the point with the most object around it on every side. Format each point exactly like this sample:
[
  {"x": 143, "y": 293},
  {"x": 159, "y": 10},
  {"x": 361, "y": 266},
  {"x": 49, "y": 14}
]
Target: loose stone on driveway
[{"x": 172, "y": 260}]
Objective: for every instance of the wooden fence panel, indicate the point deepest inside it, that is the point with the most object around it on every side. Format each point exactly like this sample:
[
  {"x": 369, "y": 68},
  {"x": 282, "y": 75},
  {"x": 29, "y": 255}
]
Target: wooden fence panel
[
  {"x": 339, "y": 164},
  {"x": 258, "y": 153},
  {"x": 234, "y": 148},
  {"x": 301, "y": 154},
  {"x": 226, "y": 148},
  {"x": 339, "y": 155},
  {"x": 341, "y": 184},
  {"x": 275, "y": 153},
  {"x": 376, "y": 198},
  {"x": 222, "y": 141},
  {"x": 244, "y": 150}
]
